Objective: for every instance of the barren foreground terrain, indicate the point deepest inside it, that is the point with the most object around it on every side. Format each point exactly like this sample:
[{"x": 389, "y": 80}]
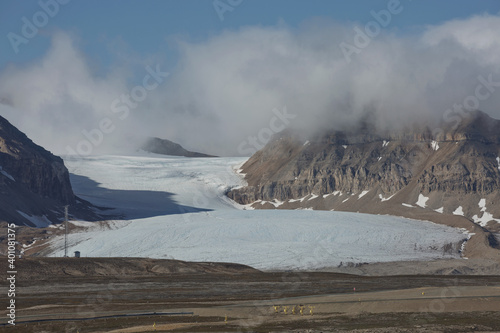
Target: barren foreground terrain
[{"x": 146, "y": 295}]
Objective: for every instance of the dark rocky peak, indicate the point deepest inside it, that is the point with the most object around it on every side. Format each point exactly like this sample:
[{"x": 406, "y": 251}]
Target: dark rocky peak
[
  {"x": 37, "y": 169},
  {"x": 34, "y": 183},
  {"x": 475, "y": 126},
  {"x": 167, "y": 147}
]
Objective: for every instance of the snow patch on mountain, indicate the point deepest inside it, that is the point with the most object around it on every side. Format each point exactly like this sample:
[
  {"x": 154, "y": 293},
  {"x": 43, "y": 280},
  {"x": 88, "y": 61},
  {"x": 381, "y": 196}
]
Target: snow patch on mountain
[
  {"x": 422, "y": 200},
  {"x": 276, "y": 203},
  {"x": 313, "y": 196},
  {"x": 6, "y": 174},
  {"x": 38, "y": 221},
  {"x": 485, "y": 217},
  {"x": 363, "y": 194},
  {"x": 300, "y": 199},
  {"x": 385, "y": 199},
  {"x": 459, "y": 211},
  {"x": 482, "y": 205}
]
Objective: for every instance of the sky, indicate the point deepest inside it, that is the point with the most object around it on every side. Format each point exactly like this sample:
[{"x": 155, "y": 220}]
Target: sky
[{"x": 222, "y": 76}]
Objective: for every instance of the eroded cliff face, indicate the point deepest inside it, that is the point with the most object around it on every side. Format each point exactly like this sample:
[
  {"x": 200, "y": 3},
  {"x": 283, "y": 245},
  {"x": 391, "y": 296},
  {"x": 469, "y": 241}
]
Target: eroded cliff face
[
  {"x": 360, "y": 171},
  {"x": 32, "y": 180}
]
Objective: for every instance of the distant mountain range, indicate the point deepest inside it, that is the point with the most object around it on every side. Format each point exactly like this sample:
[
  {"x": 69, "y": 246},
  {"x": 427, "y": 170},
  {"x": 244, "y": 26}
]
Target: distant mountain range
[
  {"x": 167, "y": 147},
  {"x": 402, "y": 172},
  {"x": 409, "y": 172}
]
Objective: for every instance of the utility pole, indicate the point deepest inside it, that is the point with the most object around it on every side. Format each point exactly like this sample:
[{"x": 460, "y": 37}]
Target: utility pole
[{"x": 66, "y": 231}]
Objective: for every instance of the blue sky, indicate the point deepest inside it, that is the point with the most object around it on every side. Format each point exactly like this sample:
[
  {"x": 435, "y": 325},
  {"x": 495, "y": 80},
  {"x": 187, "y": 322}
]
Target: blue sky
[{"x": 151, "y": 26}]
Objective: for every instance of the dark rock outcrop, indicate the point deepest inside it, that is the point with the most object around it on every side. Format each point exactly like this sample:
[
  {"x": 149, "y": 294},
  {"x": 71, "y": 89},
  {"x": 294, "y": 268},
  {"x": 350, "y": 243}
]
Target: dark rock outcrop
[
  {"x": 34, "y": 183},
  {"x": 167, "y": 147}
]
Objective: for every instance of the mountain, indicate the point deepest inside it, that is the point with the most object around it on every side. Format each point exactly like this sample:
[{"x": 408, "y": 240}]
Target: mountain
[
  {"x": 167, "y": 147},
  {"x": 455, "y": 171},
  {"x": 34, "y": 183}
]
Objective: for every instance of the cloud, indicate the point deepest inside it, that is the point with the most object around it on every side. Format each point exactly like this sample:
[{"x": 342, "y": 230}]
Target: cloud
[
  {"x": 54, "y": 99},
  {"x": 224, "y": 89}
]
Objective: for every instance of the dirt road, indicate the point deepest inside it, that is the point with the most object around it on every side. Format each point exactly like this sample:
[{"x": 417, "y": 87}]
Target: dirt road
[{"x": 224, "y": 299}]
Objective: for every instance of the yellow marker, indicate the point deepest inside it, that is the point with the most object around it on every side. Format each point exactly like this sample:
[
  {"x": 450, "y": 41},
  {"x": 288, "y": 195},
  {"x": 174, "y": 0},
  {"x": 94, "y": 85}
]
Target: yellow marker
[
  {"x": 154, "y": 326},
  {"x": 293, "y": 310},
  {"x": 301, "y": 310},
  {"x": 423, "y": 293},
  {"x": 311, "y": 309},
  {"x": 285, "y": 309},
  {"x": 276, "y": 308},
  {"x": 225, "y": 319}
]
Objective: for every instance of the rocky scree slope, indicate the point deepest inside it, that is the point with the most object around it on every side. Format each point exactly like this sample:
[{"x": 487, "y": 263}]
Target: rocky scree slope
[{"x": 454, "y": 172}]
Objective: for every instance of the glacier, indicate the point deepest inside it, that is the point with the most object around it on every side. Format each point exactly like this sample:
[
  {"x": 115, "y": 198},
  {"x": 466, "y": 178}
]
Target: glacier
[{"x": 176, "y": 208}]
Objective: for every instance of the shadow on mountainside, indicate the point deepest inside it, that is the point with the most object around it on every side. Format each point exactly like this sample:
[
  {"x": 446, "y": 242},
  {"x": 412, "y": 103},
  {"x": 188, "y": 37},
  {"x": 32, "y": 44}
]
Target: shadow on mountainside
[{"x": 128, "y": 204}]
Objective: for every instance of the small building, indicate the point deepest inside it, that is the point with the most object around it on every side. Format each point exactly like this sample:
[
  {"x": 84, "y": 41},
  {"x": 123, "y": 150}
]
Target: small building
[{"x": 77, "y": 254}]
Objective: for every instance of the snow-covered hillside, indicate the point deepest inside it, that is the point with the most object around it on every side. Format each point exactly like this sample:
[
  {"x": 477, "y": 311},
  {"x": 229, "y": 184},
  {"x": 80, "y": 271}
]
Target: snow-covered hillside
[{"x": 175, "y": 207}]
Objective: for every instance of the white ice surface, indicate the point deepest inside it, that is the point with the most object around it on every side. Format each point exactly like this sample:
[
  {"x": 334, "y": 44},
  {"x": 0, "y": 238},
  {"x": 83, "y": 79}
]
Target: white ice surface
[{"x": 197, "y": 222}]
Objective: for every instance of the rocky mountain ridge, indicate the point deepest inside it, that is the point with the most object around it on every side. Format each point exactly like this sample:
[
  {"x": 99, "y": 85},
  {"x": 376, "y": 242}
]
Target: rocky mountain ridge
[
  {"x": 167, "y": 147},
  {"x": 452, "y": 171},
  {"x": 34, "y": 183}
]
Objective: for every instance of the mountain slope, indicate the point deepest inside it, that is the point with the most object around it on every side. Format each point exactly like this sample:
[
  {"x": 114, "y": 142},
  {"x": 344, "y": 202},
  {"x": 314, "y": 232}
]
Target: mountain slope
[
  {"x": 167, "y": 147},
  {"x": 457, "y": 172},
  {"x": 34, "y": 183}
]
